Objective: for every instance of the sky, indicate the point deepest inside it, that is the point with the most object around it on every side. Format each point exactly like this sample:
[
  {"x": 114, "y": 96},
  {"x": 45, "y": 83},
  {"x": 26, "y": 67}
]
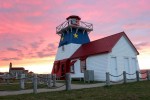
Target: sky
[{"x": 28, "y": 28}]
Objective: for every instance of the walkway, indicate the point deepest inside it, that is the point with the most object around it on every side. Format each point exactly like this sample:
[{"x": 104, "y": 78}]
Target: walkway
[{"x": 73, "y": 86}]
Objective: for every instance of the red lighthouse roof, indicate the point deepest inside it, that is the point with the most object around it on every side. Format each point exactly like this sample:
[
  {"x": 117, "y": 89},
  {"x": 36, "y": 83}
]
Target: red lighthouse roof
[
  {"x": 100, "y": 46},
  {"x": 73, "y": 16}
]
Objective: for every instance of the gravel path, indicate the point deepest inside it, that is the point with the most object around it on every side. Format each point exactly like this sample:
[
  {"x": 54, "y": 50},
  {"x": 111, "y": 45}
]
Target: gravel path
[{"x": 73, "y": 86}]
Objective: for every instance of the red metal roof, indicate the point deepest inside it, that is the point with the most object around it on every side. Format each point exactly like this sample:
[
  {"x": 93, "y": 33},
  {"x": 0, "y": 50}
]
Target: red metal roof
[
  {"x": 99, "y": 46},
  {"x": 17, "y": 68}
]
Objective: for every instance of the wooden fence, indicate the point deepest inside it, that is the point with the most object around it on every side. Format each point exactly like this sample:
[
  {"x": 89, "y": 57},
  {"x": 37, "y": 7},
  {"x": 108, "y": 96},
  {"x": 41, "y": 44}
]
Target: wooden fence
[
  {"x": 125, "y": 79},
  {"x": 50, "y": 80}
]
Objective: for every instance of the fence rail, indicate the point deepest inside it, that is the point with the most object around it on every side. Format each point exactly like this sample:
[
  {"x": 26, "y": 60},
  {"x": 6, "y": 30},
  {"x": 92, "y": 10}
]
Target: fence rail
[
  {"x": 50, "y": 80},
  {"x": 124, "y": 80},
  {"x": 52, "y": 83}
]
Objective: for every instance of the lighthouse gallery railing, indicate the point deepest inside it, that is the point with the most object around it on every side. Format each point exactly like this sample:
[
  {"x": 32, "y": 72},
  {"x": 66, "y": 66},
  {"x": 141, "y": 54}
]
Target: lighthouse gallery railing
[{"x": 80, "y": 24}]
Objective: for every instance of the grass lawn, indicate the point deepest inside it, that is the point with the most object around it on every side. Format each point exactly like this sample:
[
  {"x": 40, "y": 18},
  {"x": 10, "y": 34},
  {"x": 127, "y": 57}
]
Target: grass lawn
[
  {"x": 80, "y": 82},
  {"x": 130, "y": 91},
  {"x": 13, "y": 87}
]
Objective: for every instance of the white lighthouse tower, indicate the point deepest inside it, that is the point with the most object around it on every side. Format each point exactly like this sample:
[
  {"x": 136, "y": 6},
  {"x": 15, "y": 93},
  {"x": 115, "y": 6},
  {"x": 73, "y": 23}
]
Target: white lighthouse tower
[{"x": 73, "y": 33}]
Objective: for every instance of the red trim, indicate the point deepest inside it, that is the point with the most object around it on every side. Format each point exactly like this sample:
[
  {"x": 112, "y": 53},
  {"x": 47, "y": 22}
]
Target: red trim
[
  {"x": 83, "y": 58},
  {"x": 65, "y": 63},
  {"x": 72, "y": 63},
  {"x": 56, "y": 62}
]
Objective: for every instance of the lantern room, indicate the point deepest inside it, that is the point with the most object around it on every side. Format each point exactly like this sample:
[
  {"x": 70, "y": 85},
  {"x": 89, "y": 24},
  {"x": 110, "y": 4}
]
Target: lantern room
[{"x": 73, "y": 21}]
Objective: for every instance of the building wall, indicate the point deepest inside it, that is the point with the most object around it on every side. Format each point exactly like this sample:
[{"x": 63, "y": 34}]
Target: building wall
[
  {"x": 16, "y": 73},
  {"x": 77, "y": 71},
  {"x": 69, "y": 49},
  {"x": 124, "y": 54},
  {"x": 103, "y": 63},
  {"x": 99, "y": 64}
]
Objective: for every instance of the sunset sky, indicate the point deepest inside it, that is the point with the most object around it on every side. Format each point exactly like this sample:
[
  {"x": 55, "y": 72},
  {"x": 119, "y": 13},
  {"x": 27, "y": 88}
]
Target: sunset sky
[{"x": 28, "y": 28}]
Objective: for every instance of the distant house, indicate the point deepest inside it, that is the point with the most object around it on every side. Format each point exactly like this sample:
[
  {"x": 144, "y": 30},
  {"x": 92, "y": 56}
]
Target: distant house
[
  {"x": 76, "y": 53},
  {"x": 16, "y": 71},
  {"x": 30, "y": 73}
]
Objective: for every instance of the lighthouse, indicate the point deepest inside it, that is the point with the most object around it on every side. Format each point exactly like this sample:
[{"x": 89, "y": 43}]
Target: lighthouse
[
  {"x": 73, "y": 33},
  {"x": 77, "y": 55}
]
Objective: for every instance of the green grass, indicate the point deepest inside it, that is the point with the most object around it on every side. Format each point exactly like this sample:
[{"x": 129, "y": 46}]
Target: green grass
[
  {"x": 13, "y": 87},
  {"x": 130, "y": 91},
  {"x": 80, "y": 82},
  {"x": 16, "y": 86}
]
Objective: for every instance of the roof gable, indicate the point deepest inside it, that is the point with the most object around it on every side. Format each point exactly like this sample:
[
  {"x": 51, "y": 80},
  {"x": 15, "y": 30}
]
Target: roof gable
[{"x": 99, "y": 46}]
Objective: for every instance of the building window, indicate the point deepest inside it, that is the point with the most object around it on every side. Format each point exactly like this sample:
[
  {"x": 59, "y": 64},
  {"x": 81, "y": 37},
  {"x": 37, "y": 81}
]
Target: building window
[
  {"x": 72, "y": 69},
  {"x": 63, "y": 48},
  {"x": 83, "y": 65},
  {"x": 73, "y": 21}
]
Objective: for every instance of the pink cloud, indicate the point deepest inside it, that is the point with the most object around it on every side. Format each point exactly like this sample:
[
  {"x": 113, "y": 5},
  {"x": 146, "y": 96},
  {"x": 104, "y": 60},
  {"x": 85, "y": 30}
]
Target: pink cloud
[
  {"x": 25, "y": 24},
  {"x": 137, "y": 26},
  {"x": 6, "y": 5}
]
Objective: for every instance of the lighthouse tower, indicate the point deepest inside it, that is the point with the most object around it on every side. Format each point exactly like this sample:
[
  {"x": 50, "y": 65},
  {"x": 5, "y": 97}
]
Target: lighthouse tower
[{"x": 73, "y": 33}]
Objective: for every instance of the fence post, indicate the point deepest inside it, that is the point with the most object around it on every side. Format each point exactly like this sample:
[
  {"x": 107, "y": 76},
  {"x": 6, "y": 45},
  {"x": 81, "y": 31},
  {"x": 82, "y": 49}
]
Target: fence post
[
  {"x": 7, "y": 78},
  {"x": 124, "y": 77},
  {"x": 68, "y": 81},
  {"x": 148, "y": 75},
  {"x": 22, "y": 76},
  {"x": 35, "y": 83},
  {"x": 107, "y": 79},
  {"x": 54, "y": 80},
  {"x": 137, "y": 76},
  {"x": 49, "y": 80}
]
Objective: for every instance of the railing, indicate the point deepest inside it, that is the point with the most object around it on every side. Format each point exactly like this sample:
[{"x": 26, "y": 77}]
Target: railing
[
  {"x": 82, "y": 24},
  {"x": 125, "y": 79},
  {"x": 49, "y": 80}
]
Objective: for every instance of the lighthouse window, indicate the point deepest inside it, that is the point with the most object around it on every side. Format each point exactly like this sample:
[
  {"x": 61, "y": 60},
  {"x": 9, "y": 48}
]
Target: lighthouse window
[
  {"x": 73, "y": 21},
  {"x": 72, "y": 69},
  {"x": 83, "y": 65}
]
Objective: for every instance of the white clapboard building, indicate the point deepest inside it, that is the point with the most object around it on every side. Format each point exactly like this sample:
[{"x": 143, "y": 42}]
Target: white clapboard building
[{"x": 76, "y": 53}]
